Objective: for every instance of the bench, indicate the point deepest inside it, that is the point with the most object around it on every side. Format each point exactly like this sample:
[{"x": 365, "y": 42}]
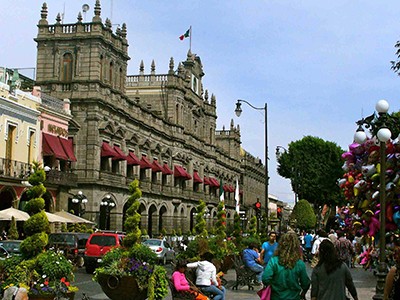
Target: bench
[
  {"x": 244, "y": 276},
  {"x": 182, "y": 295}
]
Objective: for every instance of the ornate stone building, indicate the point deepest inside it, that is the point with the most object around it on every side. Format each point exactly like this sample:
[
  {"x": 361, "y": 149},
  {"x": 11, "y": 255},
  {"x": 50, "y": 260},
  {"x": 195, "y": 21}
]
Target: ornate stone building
[{"x": 159, "y": 128}]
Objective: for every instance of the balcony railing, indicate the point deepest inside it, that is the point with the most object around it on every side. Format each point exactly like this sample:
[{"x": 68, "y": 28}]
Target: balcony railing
[
  {"x": 14, "y": 169},
  {"x": 61, "y": 178}
]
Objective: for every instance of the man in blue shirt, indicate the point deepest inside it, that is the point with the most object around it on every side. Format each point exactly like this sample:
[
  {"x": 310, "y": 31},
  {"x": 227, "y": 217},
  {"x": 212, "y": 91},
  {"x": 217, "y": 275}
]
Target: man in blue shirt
[
  {"x": 268, "y": 248},
  {"x": 308, "y": 238},
  {"x": 251, "y": 259}
]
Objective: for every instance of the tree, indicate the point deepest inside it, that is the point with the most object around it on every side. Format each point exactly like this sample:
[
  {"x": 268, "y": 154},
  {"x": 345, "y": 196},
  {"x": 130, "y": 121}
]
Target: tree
[
  {"x": 313, "y": 167},
  {"x": 304, "y": 215},
  {"x": 133, "y": 217},
  {"x": 13, "y": 231},
  {"x": 200, "y": 227}
]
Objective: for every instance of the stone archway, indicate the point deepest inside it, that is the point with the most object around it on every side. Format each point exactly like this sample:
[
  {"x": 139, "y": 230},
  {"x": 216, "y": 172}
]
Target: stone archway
[
  {"x": 161, "y": 219},
  {"x": 192, "y": 216},
  {"x": 7, "y": 196},
  {"x": 151, "y": 219}
]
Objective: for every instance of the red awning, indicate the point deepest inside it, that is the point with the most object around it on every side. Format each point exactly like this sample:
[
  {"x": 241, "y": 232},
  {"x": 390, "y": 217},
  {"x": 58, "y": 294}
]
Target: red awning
[
  {"x": 196, "y": 177},
  {"x": 231, "y": 188},
  {"x": 51, "y": 146},
  {"x": 68, "y": 147},
  {"x": 207, "y": 181},
  {"x": 132, "y": 159},
  {"x": 156, "y": 167},
  {"x": 107, "y": 151},
  {"x": 181, "y": 172},
  {"x": 214, "y": 182},
  {"x": 121, "y": 155},
  {"x": 225, "y": 188},
  {"x": 167, "y": 170},
  {"x": 145, "y": 163}
]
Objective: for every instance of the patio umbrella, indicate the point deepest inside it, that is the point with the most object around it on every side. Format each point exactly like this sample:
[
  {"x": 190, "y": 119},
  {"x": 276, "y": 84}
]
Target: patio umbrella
[
  {"x": 57, "y": 219},
  {"x": 19, "y": 215},
  {"x": 73, "y": 218}
]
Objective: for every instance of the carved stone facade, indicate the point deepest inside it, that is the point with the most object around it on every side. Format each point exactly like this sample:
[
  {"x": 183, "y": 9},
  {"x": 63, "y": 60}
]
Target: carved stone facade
[{"x": 156, "y": 124}]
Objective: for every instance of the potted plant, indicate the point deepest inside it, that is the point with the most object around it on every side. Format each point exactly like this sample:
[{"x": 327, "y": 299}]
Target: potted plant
[
  {"x": 44, "y": 273},
  {"x": 130, "y": 272}
]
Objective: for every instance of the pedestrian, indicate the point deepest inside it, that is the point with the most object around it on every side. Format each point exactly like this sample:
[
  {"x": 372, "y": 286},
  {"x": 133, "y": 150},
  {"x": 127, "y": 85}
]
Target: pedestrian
[
  {"x": 206, "y": 276},
  {"x": 308, "y": 244},
  {"x": 15, "y": 293},
  {"x": 333, "y": 236},
  {"x": 344, "y": 248},
  {"x": 252, "y": 260},
  {"x": 182, "y": 284},
  {"x": 268, "y": 248},
  {"x": 331, "y": 277},
  {"x": 322, "y": 235},
  {"x": 286, "y": 272},
  {"x": 392, "y": 283}
]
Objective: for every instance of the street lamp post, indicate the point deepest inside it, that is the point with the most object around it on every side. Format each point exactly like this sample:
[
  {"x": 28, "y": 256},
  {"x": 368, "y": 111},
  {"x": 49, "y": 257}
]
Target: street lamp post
[
  {"x": 79, "y": 200},
  {"x": 108, "y": 205},
  {"x": 378, "y": 128},
  {"x": 238, "y": 112}
]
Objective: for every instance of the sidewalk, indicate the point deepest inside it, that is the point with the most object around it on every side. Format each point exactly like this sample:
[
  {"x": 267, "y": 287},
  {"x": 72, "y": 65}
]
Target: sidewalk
[{"x": 364, "y": 281}]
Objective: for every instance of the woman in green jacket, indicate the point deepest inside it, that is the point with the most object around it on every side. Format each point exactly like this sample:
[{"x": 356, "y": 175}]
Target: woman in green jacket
[{"x": 286, "y": 272}]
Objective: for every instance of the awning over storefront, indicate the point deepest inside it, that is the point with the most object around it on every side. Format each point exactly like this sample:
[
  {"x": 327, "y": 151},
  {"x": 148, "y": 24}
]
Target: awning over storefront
[
  {"x": 120, "y": 155},
  {"x": 214, "y": 182},
  {"x": 225, "y": 188},
  {"x": 51, "y": 146},
  {"x": 181, "y": 172},
  {"x": 207, "y": 181},
  {"x": 132, "y": 159},
  {"x": 167, "y": 170},
  {"x": 196, "y": 177},
  {"x": 156, "y": 167},
  {"x": 145, "y": 163},
  {"x": 19, "y": 215},
  {"x": 231, "y": 188},
  {"x": 73, "y": 218},
  {"x": 107, "y": 151},
  {"x": 68, "y": 147}
]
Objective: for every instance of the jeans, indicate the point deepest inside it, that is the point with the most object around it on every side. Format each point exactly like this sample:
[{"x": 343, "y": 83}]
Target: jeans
[
  {"x": 259, "y": 269},
  {"x": 219, "y": 293}
]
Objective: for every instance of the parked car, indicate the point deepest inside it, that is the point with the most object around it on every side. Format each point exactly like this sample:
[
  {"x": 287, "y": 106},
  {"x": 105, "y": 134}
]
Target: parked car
[
  {"x": 4, "y": 253},
  {"x": 71, "y": 244},
  {"x": 160, "y": 247},
  {"x": 98, "y": 244},
  {"x": 12, "y": 246}
]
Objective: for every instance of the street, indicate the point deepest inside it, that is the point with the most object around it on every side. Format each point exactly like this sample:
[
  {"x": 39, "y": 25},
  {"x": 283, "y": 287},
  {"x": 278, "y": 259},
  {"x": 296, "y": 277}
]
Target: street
[{"x": 364, "y": 281}]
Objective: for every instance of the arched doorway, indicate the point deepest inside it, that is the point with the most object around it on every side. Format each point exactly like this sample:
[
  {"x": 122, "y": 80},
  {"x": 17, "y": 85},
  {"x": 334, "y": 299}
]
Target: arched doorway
[
  {"x": 161, "y": 217},
  {"x": 192, "y": 215},
  {"x": 150, "y": 219},
  {"x": 7, "y": 196}
]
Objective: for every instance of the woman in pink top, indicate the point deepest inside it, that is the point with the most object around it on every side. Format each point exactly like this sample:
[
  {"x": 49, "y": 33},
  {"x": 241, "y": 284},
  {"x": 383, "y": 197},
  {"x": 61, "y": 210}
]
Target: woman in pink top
[{"x": 181, "y": 283}]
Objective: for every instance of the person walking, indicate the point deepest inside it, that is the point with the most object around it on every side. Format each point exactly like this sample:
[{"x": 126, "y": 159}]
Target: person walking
[
  {"x": 268, "y": 248},
  {"x": 251, "y": 259},
  {"x": 286, "y": 272},
  {"x": 344, "y": 248},
  {"x": 206, "y": 276},
  {"x": 331, "y": 277}
]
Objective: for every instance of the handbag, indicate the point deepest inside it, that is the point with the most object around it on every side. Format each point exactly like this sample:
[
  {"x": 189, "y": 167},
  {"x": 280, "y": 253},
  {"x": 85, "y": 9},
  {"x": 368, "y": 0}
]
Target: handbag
[{"x": 265, "y": 293}]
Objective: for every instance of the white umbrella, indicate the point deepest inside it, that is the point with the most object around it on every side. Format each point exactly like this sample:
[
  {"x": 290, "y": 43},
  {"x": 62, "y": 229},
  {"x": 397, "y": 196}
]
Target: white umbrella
[
  {"x": 73, "y": 218},
  {"x": 57, "y": 219},
  {"x": 7, "y": 214}
]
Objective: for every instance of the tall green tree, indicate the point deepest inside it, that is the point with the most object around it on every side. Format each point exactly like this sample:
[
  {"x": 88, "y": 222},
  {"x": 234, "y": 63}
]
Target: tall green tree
[
  {"x": 313, "y": 167},
  {"x": 133, "y": 217},
  {"x": 304, "y": 215}
]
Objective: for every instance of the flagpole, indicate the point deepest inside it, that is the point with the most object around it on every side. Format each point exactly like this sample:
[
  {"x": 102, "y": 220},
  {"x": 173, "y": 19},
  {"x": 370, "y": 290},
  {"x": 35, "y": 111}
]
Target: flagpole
[{"x": 190, "y": 39}]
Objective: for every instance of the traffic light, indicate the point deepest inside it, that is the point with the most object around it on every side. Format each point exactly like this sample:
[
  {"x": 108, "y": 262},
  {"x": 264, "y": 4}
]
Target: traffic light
[
  {"x": 257, "y": 207},
  {"x": 279, "y": 213}
]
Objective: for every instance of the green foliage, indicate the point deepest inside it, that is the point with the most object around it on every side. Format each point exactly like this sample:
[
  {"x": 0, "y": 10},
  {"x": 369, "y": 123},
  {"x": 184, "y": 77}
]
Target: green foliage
[
  {"x": 263, "y": 227},
  {"x": 133, "y": 217},
  {"x": 143, "y": 253},
  {"x": 37, "y": 223},
  {"x": 253, "y": 226},
  {"x": 54, "y": 265},
  {"x": 237, "y": 229},
  {"x": 313, "y": 166},
  {"x": 34, "y": 244},
  {"x": 158, "y": 284},
  {"x": 13, "y": 231},
  {"x": 64, "y": 227},
  {"x": 221, "y": 223},
  {"x": 200, "y": 227},
  {"x": 304, "y": 215},
  {"x": 179, "y": 232}
]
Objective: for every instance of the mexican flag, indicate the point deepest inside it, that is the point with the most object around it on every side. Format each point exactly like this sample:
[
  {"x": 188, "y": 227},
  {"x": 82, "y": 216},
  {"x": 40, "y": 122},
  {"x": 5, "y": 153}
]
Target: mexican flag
[
  {"x": 221, "y": 191},
  {"x": 185, "y": 35}
]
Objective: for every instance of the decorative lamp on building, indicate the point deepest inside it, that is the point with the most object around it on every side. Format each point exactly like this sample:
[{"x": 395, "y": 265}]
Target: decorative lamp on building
[
  {"x": 79, "y": 203},
  {"x": 106, "y": 206}
]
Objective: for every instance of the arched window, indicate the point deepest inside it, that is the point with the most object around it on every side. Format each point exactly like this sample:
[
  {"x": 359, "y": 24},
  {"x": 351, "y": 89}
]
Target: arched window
[
  {"x": 101, "y": 67},
  {"x": 67, "y": 67},
  {"x": 111, "y": 73},
  {"x": 121, "y": 79}
]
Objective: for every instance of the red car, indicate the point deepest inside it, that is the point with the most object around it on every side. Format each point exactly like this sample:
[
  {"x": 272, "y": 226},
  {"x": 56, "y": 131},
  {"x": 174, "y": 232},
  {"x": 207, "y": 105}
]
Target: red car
[{"x": 98, "y": 244}]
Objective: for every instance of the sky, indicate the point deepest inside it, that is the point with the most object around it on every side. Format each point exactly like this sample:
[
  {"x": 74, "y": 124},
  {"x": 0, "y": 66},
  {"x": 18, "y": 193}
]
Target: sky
[{"x": 319, "y": 65}]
